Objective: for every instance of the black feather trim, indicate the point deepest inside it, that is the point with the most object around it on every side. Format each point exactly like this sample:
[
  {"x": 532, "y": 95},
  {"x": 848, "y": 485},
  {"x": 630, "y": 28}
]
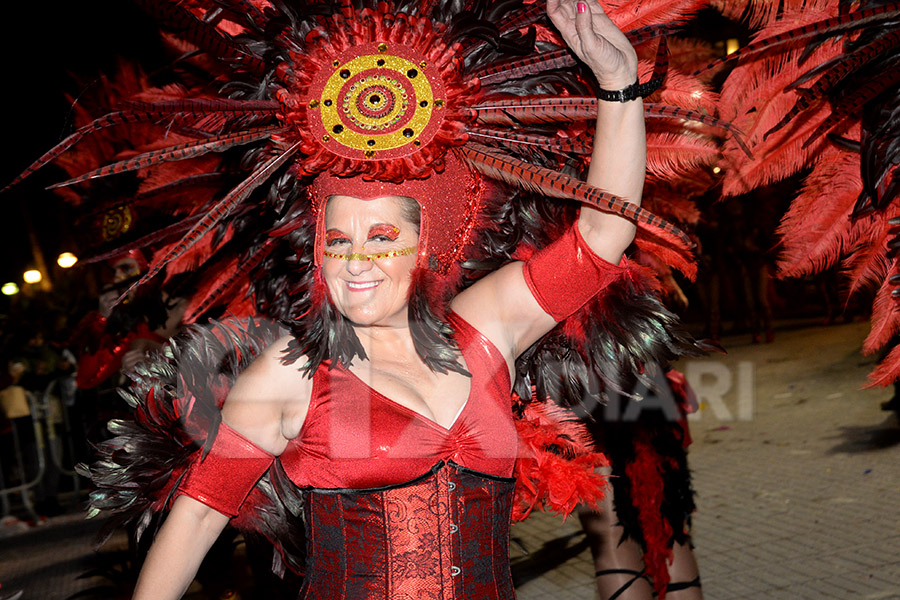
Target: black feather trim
[{"x": 176, "y": 397}]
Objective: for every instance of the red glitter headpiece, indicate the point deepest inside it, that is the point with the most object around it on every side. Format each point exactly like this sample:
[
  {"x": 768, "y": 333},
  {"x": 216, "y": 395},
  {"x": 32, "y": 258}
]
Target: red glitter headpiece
[
  {"x": 376, "y": 99},
  {"x": 375, "y": 94},
  {"x": 413, "y": 93},
  {"x": 450, "y": 199}
]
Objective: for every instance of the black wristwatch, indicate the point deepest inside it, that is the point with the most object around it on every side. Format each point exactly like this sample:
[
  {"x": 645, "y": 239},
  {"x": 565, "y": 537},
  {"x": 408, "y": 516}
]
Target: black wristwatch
[{"x": 635, "y": 90}]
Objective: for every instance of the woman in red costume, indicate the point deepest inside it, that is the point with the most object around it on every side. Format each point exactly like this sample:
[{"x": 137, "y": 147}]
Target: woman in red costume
[
  {"x": 405, "y": 238},
  {"x": 369, "y": 441}
]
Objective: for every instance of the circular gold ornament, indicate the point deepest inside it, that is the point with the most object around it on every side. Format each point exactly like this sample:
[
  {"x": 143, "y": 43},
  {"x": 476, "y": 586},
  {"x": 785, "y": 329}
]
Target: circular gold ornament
[
  {"x": 116, "y": 222},
  {"x": 376, "y": 101}
]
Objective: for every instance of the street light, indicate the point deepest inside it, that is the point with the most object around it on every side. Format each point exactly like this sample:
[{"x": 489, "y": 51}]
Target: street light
[
  {"x": 66, "y": 260},
  {"x": 32, "y": 276},
  {"x": 9, "y": 289}
]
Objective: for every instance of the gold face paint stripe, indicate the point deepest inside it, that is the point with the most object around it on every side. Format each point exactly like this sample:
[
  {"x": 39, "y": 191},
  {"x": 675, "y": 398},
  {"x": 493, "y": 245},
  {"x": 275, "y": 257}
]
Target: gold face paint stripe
[{"x": 373, "y": 256}]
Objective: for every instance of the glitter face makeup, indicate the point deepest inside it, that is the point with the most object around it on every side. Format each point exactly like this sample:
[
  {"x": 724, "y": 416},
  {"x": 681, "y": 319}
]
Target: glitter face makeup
[
  {"x": 369, "y": 254},
  {"x": 377, "y": 233}
]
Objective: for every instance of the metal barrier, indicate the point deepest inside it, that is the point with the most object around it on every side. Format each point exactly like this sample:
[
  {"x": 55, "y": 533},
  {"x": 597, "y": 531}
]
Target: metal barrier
[{"x": 43, "y": 421}]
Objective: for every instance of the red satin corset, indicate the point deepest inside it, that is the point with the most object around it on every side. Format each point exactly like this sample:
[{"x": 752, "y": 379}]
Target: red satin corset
[{"x": 355, "y": 437}]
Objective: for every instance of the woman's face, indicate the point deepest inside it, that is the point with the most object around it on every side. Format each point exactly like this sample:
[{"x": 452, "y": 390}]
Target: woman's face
[{"x": 372, "y": 287}]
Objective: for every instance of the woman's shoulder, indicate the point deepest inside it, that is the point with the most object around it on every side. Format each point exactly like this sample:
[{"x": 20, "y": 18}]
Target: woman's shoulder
[
  {"x": 269, "y": 378},
  {"x": 269, "y": 400}
]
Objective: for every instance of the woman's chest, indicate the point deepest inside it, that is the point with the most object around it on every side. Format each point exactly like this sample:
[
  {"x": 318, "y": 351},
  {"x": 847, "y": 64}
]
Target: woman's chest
[{"x": 356, "y": 437}]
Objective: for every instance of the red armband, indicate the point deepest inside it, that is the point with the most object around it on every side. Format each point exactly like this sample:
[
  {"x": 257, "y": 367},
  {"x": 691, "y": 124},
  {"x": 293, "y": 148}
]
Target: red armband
[
  {"x": 566, "y": 274},
  {"x": 225, "y": 477}
]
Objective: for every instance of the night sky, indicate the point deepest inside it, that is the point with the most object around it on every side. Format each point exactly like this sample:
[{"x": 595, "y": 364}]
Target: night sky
[{"x": 44, "y": 43}]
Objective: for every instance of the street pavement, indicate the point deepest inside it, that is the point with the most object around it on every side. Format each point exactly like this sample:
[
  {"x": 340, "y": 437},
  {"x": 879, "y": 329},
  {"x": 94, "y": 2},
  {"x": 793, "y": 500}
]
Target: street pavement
[
  {"x": 797, "y": 474},
  {"x": 796, "y": 469}
]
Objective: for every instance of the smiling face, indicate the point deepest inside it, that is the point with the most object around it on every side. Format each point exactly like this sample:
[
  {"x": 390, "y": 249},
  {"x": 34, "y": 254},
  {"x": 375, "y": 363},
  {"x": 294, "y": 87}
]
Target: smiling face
[{"x": 370, "y": 252}]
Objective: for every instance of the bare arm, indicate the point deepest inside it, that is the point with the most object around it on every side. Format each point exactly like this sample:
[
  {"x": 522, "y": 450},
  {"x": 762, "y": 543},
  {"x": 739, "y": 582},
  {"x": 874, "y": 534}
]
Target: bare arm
[
  {"x": 184, "y": 539},
  {"x": 266, "y": 402},
  {"x": 501, "y": 305}
]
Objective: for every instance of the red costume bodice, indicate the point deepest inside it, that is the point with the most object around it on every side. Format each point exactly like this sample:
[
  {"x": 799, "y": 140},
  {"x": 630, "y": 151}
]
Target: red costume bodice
[
  {"x": 443, "y": 536},
  {"x": 354, "y": 437},
  {"x": 429, "y": 529}
]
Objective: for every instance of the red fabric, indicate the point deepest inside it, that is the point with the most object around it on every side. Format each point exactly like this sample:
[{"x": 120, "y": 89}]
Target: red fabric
[
  {"x": 646, "y": 473},
  {"x": 566, "y": 274},
  {"x": 354, "y": 437},
  {"x": 225, "y": 477},
  {"x": 95, "y": 368},
  {"x": 444, "y": 536}
]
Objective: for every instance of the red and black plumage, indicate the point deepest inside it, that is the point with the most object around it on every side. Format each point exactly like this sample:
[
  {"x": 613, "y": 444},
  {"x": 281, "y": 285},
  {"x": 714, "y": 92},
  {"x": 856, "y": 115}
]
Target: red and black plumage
[
  {"x": 818, "y": 90},
  {"x": 243, "y": 46}
]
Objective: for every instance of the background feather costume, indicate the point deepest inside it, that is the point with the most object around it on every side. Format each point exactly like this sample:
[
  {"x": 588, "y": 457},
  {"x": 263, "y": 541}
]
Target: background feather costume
[
  {"x": 281, "y": 92},
  {"x": 817, "y": 93}
]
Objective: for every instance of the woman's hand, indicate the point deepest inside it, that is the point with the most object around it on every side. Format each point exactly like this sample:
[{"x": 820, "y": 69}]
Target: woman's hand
[{"x": 595, "y": 39}]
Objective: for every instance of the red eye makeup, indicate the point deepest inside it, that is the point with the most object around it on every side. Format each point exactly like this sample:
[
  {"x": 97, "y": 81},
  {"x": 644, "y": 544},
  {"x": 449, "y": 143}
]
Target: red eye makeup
[
  {"x": 391, "y": 232},
  {"x": 335, "y": 235}
]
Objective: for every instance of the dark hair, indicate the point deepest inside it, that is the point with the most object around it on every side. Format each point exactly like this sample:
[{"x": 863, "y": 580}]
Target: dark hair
[{"x": 322, "y": 333}]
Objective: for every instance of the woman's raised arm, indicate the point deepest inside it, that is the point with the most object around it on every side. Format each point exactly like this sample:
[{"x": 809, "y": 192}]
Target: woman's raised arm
[{"x": 502, "y": 305}]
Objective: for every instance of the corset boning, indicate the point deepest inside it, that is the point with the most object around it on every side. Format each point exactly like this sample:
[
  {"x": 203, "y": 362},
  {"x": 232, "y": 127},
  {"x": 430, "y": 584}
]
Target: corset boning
[{"x": 442, "y": 536}]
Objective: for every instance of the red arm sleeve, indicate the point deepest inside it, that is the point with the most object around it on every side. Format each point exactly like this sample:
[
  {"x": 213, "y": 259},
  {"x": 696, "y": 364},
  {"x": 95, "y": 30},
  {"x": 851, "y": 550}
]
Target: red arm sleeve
[
  {"x": 225, "y": 477},
  {"x": 566, "y": 274}
]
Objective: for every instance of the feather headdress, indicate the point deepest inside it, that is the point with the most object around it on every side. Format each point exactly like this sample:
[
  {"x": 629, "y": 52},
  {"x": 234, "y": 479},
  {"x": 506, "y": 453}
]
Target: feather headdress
[{"x": 291, "y": 93}]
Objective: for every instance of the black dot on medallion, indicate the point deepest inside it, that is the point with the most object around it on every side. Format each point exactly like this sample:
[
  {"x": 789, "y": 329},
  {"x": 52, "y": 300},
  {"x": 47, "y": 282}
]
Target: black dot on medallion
[
  {"x": 370, "y": 142},
  {"x": 345, "y": 73},
  {"x": 408, "y": 132},
  {"x": 380, "y": 62},
  {"x": 327, "y": 102},
  {"x": 423, "y": 103},
  {"x": 338, "y": 128},
  {"x": 374, "y": 99},
  {"x": 417, "y": 143},
  {"x": 412, "y": 73}
]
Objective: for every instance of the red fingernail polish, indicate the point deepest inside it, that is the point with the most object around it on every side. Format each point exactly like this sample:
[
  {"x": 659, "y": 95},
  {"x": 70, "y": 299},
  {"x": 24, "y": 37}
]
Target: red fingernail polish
[{"x": 582, "y": 7}]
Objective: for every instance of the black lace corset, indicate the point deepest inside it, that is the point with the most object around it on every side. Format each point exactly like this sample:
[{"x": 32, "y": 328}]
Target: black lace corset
[{"x": 443, "y": 535}]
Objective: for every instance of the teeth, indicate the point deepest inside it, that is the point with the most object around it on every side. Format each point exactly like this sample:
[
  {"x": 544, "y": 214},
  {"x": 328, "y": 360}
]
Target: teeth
[{"x": 361, "y": 286}]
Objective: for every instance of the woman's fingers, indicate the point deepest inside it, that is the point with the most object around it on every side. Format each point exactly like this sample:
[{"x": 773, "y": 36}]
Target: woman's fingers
[
  {"x": 595, "y": 39},
  {"x": 595, "y": 33}
]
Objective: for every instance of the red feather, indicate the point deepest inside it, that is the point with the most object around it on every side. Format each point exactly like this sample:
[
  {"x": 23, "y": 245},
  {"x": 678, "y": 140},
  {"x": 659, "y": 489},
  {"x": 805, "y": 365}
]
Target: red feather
[
  {"x": 816, "y": 230},
  {"x": 887, "y": 372},
  {"x": 554, "y": 184},
  {"x": 868, "y": 264},
  {"x": 629, "y": 15},
  {"x": 522, "y": 67},
  {"x": 789, "y": 34},
  {"x": 514, "y": 139},
  {"x": 674, "y": 257},
  {"x": 219, "y": 212},
  {"x": 755, "y": 99},
  {"x": 229, "y": 280},
  {"x": 556, "y": 468},
  {"x": 674, "y": 155},
  {"x": 177, "y": 152},
  {"x": 885, "y": 316}
]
